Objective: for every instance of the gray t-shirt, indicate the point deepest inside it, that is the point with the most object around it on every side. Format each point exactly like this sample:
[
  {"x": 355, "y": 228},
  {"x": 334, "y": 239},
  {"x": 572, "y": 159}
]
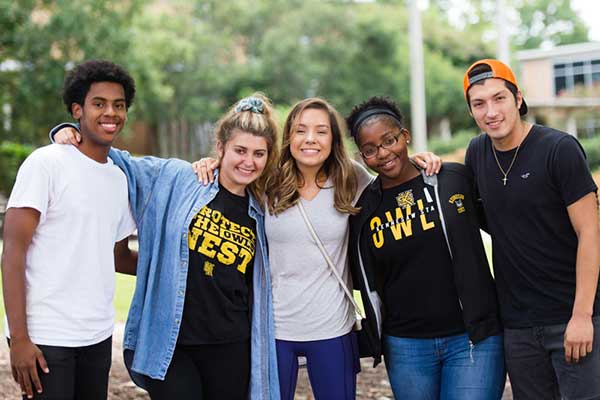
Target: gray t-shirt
[{"x": 308, "y": 301}]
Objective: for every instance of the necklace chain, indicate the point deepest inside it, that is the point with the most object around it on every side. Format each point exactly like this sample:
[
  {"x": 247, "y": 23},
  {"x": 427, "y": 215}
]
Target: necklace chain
[
  {"x": 509, "y": 167},
  {"x": 523, "y": 132}
]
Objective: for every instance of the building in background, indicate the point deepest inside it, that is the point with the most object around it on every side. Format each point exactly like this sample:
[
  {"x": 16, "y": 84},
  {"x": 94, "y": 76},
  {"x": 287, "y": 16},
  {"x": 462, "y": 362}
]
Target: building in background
[{"x": 562, "y": 87}]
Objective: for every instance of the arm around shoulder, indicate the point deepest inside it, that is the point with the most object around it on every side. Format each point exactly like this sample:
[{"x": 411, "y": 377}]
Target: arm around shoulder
[{"x": 125, "y": 258}]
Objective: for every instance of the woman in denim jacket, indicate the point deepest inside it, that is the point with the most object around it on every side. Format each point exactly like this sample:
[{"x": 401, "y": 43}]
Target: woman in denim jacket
[{"x": 201, "y": 316}]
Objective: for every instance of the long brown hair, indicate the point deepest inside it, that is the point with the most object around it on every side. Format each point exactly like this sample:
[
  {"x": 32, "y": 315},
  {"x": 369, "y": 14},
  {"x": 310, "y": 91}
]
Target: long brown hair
[
  {"x": 253, "y": 115},
  {"x": 282, "y": 188}
]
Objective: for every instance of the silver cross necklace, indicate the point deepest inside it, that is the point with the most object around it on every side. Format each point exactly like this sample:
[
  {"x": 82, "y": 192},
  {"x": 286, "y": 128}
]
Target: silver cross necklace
[{"x": 505, "y": 173}]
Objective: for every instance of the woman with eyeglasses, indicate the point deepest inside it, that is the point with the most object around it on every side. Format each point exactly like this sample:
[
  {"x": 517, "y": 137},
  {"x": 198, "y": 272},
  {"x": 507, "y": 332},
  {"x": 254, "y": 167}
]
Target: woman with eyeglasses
[
  {"x": 313, "y": 316},
  {"x": 417, "y": 257}
]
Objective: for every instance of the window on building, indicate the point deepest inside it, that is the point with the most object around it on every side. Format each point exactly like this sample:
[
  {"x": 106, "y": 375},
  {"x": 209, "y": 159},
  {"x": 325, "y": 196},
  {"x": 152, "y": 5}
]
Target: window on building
[
  {"x": 570, "y": 75},
  {"x": 595, "y": 72}
]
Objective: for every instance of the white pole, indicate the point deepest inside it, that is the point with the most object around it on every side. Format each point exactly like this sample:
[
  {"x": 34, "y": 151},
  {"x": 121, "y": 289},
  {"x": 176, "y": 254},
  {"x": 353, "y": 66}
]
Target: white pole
[
  {"x": 417, "y": 79},
  {"x": 502, "y": 50}
]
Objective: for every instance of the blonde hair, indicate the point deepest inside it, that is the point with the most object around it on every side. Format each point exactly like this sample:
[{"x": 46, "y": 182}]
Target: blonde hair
[
  {"x": 253, "y": 115},
  {"x": 282, "y": 188}
]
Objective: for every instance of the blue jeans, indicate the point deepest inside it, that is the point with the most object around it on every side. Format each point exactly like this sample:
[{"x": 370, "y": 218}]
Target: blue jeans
[{"x": 446, "y": 368}]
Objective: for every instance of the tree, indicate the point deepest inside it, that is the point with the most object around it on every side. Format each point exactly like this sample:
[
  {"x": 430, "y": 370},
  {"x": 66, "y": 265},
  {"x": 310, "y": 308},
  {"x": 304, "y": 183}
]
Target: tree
[
  {"x": 548, "y": 22},
  {"x": 43, "y": 39}
]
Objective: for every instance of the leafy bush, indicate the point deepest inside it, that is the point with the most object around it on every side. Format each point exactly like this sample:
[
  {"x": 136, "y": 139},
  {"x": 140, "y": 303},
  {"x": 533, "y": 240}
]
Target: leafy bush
[
  {"x": 592, "y": 151},
  {"x": 12, "y": 156},
  {"x": 460, "y": 140}
]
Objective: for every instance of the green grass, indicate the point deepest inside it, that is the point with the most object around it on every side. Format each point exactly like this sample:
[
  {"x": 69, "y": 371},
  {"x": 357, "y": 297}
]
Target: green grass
[{"x": 125, "y": 286}]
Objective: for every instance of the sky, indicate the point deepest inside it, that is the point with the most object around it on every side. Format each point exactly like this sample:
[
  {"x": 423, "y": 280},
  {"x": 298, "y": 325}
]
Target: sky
[{"x": 589, "y": 10}]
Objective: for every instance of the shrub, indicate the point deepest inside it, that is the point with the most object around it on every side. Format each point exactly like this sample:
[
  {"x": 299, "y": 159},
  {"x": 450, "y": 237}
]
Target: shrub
[
  {"x": 460, "y": 140},
  {"x": 592, "y": 151},
  {"x": 12, "y": 156}
]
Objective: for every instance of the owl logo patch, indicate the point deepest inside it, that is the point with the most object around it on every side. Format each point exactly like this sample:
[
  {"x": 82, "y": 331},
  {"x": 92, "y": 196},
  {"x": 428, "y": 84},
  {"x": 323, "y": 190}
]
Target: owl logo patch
[
  {"x": 405, "y": 199},
  {"x": 457, "y": 200}
]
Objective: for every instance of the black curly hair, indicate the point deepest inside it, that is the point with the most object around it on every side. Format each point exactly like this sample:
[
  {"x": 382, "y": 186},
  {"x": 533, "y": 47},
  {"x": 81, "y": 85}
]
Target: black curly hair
[
  {"x": 374, "y": 107},
  {"x": 79, "y": 79}
]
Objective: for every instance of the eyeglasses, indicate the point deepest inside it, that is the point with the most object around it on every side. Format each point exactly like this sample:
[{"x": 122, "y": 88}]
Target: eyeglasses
[{"x": 371, "y": 150}]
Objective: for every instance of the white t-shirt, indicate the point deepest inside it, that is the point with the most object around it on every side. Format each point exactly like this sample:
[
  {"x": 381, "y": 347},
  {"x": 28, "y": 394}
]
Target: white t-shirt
[
  {"x": 308, "y": 301},
  {"x": 70, "y": 273}
]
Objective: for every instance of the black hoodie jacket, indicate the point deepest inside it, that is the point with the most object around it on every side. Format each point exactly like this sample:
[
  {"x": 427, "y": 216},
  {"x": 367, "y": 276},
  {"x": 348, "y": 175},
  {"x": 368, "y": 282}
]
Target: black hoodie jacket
[{"x": 459, "y": 217}]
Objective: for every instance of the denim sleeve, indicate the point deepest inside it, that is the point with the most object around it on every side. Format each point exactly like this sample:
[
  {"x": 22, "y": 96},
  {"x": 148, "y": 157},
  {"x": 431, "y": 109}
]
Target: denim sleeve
[
  {"x": 142, "y": 176},
  {"x": 60, "y": 126}
]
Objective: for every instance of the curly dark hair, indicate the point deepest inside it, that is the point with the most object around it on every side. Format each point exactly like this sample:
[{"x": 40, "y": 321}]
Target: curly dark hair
[
  {"x": 375, "y": 107},
  {"x": 79, "y": 79}
]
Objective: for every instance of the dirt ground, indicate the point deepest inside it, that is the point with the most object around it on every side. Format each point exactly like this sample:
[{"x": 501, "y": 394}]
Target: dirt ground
[{"x": 372, "y": 382}]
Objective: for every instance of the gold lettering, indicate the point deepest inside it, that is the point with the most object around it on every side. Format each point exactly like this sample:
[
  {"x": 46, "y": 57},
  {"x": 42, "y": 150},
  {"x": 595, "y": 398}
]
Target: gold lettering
[
  {"x": 193, "y": 237},
  {"x": 208, "y": 242},
  {"x": 202, "y": 222},
  {"x": 227, "y": 254},
  {"x": 216, "y": 216},
  {"x": 205, "y": 211},
  {"x": 248, "y": 232},
  {"x": 246, "y": 258},
  {"x": 233, "y": 227},
  {"x": 213, "y": 228},
  {"x": 377, "y": 236},
  {"x": 424, "y": 223},
  {"x": 399, "y": 225}
]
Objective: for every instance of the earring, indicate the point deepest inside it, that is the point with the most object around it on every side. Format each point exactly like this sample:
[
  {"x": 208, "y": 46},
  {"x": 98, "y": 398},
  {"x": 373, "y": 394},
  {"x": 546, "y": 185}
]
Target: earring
[{"x": 408, "y": 141}]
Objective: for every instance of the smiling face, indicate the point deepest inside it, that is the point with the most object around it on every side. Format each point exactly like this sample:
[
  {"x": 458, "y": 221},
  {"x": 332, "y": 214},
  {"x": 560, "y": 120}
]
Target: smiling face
[
  {"x": 495, "y": 111},
  {"x": 243, "y": 158},
  {"x": 391, "y": 163},
  {"x": 103, "y": 113},
  {"x": 311, "y": 139}
]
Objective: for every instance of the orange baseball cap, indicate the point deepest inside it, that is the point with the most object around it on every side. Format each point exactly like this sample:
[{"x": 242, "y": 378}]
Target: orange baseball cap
[{"x": 497, "y": 70}]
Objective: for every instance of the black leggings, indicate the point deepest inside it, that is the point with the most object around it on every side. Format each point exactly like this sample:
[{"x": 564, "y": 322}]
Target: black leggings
[
  {"x": 205, "y": 372},
  {"x": 76, "y": 373}
]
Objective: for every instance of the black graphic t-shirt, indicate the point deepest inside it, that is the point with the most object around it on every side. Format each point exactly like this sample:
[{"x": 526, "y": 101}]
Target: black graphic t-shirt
[
  {"x": 221, "y": 241},
  {"x": 404, "y": 239}
]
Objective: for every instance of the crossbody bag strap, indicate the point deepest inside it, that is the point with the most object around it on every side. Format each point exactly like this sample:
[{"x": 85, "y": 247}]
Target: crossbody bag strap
[{"x": 328, "y": 259}]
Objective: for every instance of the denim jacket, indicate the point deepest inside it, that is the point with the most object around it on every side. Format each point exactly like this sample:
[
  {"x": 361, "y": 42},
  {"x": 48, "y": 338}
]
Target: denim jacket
[{"x": 164, "y": 196}]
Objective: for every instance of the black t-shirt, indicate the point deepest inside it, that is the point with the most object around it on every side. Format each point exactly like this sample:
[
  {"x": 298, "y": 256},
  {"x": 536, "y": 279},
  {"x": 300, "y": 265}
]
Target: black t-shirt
[
  {"x": 534, "y": 244},
  {"x": 405, "y": 242},
  {"x": 221, "y": 242}
]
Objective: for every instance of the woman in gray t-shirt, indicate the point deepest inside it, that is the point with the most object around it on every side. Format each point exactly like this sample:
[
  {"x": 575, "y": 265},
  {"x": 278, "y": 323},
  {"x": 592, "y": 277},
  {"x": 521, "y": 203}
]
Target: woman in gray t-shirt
[{"x": 313, "y": 317}]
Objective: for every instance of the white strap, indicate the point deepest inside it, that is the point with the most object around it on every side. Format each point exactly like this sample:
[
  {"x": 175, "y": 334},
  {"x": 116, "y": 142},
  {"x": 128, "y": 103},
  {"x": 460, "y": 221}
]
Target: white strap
[{"x": 328, "y": 259}]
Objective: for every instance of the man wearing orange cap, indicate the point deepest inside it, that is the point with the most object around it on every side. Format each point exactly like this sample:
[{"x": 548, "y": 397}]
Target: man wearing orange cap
[{"x": 541, "y": 206}]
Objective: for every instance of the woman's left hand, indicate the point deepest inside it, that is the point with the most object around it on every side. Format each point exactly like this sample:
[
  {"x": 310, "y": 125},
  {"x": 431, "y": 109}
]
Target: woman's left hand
[{"x": 428, "y": 161}]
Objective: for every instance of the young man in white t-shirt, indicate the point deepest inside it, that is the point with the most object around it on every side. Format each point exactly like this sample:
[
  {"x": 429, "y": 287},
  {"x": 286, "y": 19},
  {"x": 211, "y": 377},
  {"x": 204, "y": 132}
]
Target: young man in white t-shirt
[{"x": 68, "y": 208}]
